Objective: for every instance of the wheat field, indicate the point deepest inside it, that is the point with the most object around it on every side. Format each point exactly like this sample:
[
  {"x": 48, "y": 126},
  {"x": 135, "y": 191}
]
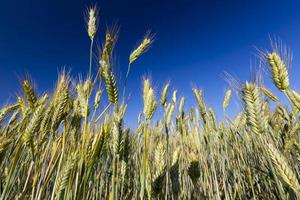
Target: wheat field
[{"x": 63, "y": 146}]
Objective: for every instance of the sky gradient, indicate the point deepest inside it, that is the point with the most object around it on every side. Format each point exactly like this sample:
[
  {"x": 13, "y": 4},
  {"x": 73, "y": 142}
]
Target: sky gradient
[{"x": 195, "y": 42}]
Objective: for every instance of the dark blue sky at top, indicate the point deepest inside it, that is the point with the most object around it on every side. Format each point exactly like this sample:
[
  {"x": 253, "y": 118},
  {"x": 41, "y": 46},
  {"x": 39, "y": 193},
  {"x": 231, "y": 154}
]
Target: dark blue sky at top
[{"x": 195, "y": 42}]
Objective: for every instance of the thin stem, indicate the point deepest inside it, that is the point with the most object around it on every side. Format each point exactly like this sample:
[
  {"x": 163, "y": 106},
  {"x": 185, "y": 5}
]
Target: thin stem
[
  {"x": 126, "y": 78},
  {"x": 104, "y": 111},
  {"x": 115, "y": 166},
  {"x": 167, "y": 160},
  {"x": 114, "y": 177},
  {"x": 91, "y": 58},
  {"x": 85, "y": 123},
  {"x": 64, "y": 137},
  {"x": 145, "y": 158}
]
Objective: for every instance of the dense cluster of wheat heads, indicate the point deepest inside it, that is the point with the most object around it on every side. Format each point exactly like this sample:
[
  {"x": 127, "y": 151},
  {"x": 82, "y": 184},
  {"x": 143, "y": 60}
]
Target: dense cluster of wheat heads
[{"x": 63, "y": 146}]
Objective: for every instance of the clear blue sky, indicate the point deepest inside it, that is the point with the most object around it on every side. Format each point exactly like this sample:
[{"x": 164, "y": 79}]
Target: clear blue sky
[{"x": 195, "y": 41}]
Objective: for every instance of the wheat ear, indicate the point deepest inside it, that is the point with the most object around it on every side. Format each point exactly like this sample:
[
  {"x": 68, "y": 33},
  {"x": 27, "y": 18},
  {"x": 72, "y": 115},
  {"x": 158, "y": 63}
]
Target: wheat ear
[
  {"x": 279, "y": 71},
  {"x": 253, "y": 108},
  {"x": 283, "y": 170},
  {"x": 294, "y": 97},
  {"x": 226, "y": 99},
  {"x": 269, "y": 94},
  {"x": 164, "y": 93}
]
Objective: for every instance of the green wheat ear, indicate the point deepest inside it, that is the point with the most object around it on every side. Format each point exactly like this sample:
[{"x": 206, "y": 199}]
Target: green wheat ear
[
  {"x": 29, "y": 93},
  {"x": 7, "y": 110},
  {"x": 111, "y": 87},
  {"x": 34, "y": 124},
  {"x": 60, "y": 101},
  {"x": 4, "y": 143},
  {"x": 64, "y": 175}
]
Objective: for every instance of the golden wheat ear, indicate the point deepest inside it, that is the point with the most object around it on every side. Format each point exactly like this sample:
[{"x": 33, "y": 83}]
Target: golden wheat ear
[
  {"x": 202, "y": 107},
  {"x": 294, "y": 97},
  {"x": 150, "y": 103},
  {"x": 279, "y": 71},
  {"x": 226, "y": 99},
  {"x": 164, "y": 93},
  {"x": 111, "y": 37},
  {"x": 283, "y": 169},
  {"x": 92, "y": 22},
  {"x": 142, "y": 48},
  {"x": 253, "y": 107},
  {"x": 181, "y": 105},
  {"x": 269, "y": 94}
]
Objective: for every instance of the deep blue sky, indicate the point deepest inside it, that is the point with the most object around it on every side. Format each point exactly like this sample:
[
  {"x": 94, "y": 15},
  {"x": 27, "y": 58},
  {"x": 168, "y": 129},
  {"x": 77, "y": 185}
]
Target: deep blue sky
[{"x": 195, "y": 41}]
